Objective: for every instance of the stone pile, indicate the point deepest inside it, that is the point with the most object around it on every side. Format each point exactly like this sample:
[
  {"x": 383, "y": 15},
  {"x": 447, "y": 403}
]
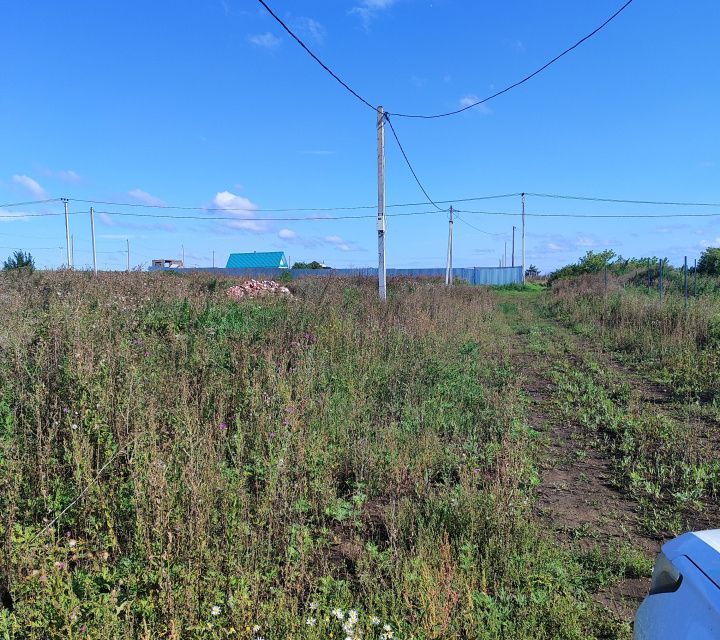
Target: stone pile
[{"x": 257, "y": 288}]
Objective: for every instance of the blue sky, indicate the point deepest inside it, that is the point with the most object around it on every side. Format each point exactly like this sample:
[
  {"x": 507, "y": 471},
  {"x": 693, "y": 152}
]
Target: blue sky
[{"x": 209, "y": 103}]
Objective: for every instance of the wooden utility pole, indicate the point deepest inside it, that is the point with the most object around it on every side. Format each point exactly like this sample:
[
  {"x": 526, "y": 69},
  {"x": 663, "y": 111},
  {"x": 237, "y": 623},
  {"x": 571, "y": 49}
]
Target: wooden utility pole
[
  {"x": 382, "y": 289},
  {"x": 449, "y": 269},
  {"x": 67, "y": 233},
  {"x": 512, "y": 263},
  {"x": 523, "y": 238},
  {"x": 92, "y": 233}
]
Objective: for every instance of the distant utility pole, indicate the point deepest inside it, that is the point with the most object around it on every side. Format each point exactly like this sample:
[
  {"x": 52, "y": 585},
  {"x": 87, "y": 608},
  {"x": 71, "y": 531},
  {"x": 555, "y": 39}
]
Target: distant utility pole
[
  {"x": 92, "y": 233},
  {"x": 523, "y": 238},
  {"x": 72, "y": 250},
  {"x": 182, "y": 249},
  {"x": 512, "y": 263},
  {"x": 128, "y": 254},
  {"x": 685, "y": 283},
  {"x": 381, "y": 202},
  {"x": 67, "y": 233},
  {"x": 505, "y": 255},
  {"x": 213, "y": 259},
  {"x": 449, "y": 270}
]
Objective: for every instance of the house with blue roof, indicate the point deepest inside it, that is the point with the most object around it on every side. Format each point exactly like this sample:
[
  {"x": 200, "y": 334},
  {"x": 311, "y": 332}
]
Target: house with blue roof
[{"x": 258, "y": 260}]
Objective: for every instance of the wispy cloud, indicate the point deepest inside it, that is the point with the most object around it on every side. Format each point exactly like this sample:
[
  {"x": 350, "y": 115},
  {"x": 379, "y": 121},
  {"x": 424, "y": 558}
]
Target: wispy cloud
[
  {"x": 287, "y": 234},
  {"x": 367, "y": 10},
  {"x": 239, "y": 208},
  {"x": 30, "y": 185},
  {"x": 265, "y": 40},
  {"x": 310, "y": 29},
  {"x": 469, "y": 100},
  {"x": 146, "y": 198},
  {"x": 341, "y": 244},
  {"x": 64, "y": 175}
]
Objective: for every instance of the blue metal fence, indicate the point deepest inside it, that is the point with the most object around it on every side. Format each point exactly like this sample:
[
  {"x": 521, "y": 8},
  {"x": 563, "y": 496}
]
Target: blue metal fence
[{"x": 493, "y": 276}]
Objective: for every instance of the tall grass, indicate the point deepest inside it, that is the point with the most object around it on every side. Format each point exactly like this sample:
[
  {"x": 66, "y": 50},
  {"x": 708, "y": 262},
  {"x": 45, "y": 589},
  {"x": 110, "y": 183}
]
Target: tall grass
[
  {"x": 176, "y": 465},
  {"x": 681, "y": 341}
]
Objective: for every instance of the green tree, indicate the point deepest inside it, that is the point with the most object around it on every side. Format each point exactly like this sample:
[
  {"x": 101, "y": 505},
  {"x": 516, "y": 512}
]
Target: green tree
[
  {"x": 532, "y": 271},
  {"x": 709, "y": 263},
  {"x": 19, "y": 260},
  {"x": 309, "y": 265}
]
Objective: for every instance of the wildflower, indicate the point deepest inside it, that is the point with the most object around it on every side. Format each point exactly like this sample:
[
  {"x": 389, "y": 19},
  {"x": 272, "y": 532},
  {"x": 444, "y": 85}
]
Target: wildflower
[
  {"x": 65, "y": 409},
  {"x": 256, "y": 628},
  {"x": 374, "y": 621},
  {"x": 310, "y": 622},
  {"x": 72, "y": 543},
  {"x": 348, "y": 627},
  {"x": 352, "y": 616},
  {"x": 281, "y": 463},
  {"x": 59, "y": 565},
  {"x": 223, "y": 425},
  {"x": 338, "y": 613},
  {"x": 73, "y": 426},
  {"x": 313, "y": 606},
  {"x": 387, "y": 627},
  {"x": 271, "y": 435},
  {"x": 215, "y": 611}
]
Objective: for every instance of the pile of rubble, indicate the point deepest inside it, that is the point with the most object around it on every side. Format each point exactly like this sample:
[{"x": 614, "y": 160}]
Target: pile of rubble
[{"x": 256, "y": 288}]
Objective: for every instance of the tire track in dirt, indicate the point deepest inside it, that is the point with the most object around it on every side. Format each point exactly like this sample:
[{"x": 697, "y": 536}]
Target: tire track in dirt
[{"x": 576, "y": 498}]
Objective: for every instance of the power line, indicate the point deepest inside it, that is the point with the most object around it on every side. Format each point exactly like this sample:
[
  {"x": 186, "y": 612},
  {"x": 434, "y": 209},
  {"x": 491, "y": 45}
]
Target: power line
[
  {"x": 618, "y": 200},
  {"x": 21, "y": 204},
  {"x": 287, "y": 209},
  {"x": 314, "y": 57},
  {"x": 243, "y": 219},
  {"x": 407, "y": 161},
  {"x": 625, "y": 216},
  {"x": 472, "y": 226},
  {"x": 519, "y": 82}
]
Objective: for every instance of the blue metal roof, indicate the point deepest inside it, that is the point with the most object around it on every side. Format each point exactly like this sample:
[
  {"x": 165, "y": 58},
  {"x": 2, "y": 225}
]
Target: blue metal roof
[{"x": 257, "y": 259}]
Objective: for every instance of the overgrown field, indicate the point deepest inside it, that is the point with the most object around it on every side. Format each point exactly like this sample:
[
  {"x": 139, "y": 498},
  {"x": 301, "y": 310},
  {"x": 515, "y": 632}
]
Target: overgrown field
[{"x": 177, "y": 465}]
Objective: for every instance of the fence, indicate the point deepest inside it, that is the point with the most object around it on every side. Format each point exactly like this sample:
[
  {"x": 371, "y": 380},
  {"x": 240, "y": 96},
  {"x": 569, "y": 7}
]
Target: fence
[{"x": 492, "y": 276}]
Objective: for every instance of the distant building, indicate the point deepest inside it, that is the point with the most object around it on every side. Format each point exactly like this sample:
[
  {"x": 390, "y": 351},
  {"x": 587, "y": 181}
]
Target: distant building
[
  {"x": 258, "y": 260},
  {"x": 167, "y": 263}
]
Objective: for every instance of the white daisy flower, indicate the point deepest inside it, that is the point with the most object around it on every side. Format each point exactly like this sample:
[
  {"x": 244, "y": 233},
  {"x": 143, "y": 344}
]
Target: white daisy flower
[
  {"x": 215, "y": 611},
  {"x": 310, "y": 622}
]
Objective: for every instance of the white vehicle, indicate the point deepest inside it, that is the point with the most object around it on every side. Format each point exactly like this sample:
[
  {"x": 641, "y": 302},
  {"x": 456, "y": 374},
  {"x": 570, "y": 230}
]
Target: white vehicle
[{"x": 684, "y": 599}]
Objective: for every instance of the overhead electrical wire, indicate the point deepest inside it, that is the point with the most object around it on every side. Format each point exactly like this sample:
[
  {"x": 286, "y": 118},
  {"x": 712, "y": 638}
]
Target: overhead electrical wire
[
  {"x": 472, "y": 226},
  {"x": 455, "y": 111},
  {"x": 621, "y": 201},
  {"x": 407, "y": 161},
  {"x": 21, "y": 204},
  {"x": 314, "y": 57},
  {"x": 288, "y": 209},
  {"x": 519, "y": 82},
  {"x": 625, "y": 216}
]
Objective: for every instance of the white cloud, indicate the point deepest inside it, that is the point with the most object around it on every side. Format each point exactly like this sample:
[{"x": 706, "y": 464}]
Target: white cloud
[
  {"x": 340, "y": 244},
  {"x": 585, "y": 241},
  {"x": 710, "y": 243},
  {"x": 240, "y": 208},
  {"x": 31, "y": 185},
  {"x": 469, "y": 100},
  {"x": 265, "y": 40},
  {"x": 68, "y": 176},
  {"x": 366, "y": 10},
  {"x": 554, "y": 246},
  {"x": 146, "y": 198},
  {"x": 287, "y": 234},
  {"x": 310, "y": 29}
]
